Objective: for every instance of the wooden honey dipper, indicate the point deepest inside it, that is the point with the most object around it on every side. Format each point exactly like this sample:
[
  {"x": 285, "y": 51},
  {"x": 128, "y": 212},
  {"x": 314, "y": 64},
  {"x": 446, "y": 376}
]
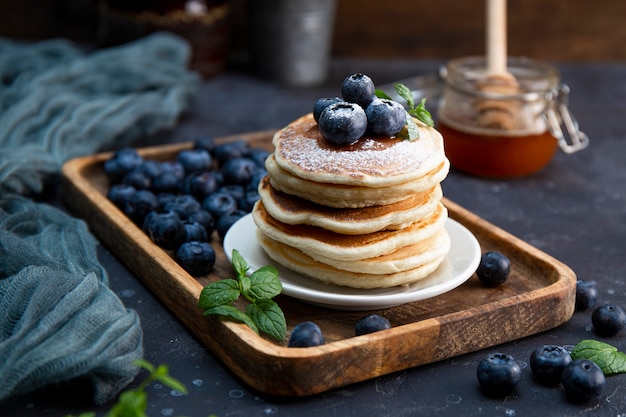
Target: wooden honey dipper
[{"x": 499, "y": 114}]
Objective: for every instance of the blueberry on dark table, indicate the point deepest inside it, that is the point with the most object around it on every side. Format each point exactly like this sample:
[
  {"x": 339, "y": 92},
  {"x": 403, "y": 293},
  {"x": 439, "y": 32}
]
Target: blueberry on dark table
[
  {"x": 219, "y": 203},
  {"x": 258, "y": 175},
  {"x": 547, "y": 363},
  {"x": 586, "y": 294},
  {"x": 358, "y": 88},
  {"x": 195, "y": 160},
  {"x": 370, "y": 324},
  {"x": 150, "y": 168},
  {"x": 385, "y": 117},
  {"x": 498, "y": 374},
  {"x": 608, "y": 320},
  {"x": 165, "y": 229},
  {"x": 493, "y": 269},
  {"x": 197, "y": 258},
  {"x": 306, "y": 334},
  {"x": 225, "y": 222},
  {"x": 321, "y": 104},
  {"x": 343, "y": 123},
  {"x": 236, "y": 190},
  {"x": 582, "y": 381}
]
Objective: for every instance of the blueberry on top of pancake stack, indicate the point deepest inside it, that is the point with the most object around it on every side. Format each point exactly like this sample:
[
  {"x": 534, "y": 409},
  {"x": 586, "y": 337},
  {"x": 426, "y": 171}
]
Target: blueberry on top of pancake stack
[{"x": 352, "y": 195}]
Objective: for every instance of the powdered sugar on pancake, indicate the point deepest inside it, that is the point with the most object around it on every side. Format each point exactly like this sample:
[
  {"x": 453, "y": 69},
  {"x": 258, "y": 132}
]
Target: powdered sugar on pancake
[{"x": 373, "y": 162}]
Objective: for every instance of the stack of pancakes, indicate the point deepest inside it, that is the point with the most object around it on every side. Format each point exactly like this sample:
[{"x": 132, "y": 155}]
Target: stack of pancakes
[{"x": 366, "y": 215}]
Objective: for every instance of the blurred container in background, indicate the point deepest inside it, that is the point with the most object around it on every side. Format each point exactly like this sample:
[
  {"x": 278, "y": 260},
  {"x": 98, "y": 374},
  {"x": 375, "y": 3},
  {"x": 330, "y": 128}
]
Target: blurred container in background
[
  {"x": 290, "y": 40},
  {"x": 206, "y": 24}
]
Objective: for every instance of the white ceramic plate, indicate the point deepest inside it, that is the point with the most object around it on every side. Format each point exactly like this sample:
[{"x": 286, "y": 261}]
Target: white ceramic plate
[{"x": 458, "y": 266}]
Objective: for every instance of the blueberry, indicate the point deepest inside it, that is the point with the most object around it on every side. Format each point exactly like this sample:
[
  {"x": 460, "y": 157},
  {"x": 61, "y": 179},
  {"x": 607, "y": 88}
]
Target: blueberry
[
  {"x": 150, "y": 168},
  {"x": 166, "y": 182},
  {"x": 140, "y": 204},
  {"x": 494, "y": 269},
  {"x": 259, "y": 156},
  {"x": 343, "y": 123},
  {"x": 225, "y": 222},
  {"x": 306, "y": 334},
  {"x": 197, "y": 258},
  {"x": 195, "y": 231},
  {"x": 547, "y": 363},
  {"x": 205, "y": 142},
  {"x": 370, "y": 324},
  {"x": 174, "y": 167},
  {"x": 195, "y": 160},
  {"x": 321, "y": 104},
  {"x": 236, "y": 190},
  {"x": 165, "y": 198},
  {"x": 219, "y": 204},
  {"x": 498, "y": 374},
  {"x": 165, "y": 229},
  {"x": 230, "y": 150},
  {"x": 608, "y": 320},
  {"x": 120, "y": 193},
  {"x": 138, "y": 179},
  {"x": 253, "y": 185},
  {"x": 582, "y": 381},
  {"x": 358, "y": 88},
  {"x": 385, "y": 117},
  {"x": 183, "y": 205},
  {"x": 586, "y": 294},
  {"x": 122, "y": 162},
  {"x": 204, "y": 218},
  {"x": 238, "y": 170},
  {"x": 247, "y": 202},
  {"x": 200, "y": 184}
]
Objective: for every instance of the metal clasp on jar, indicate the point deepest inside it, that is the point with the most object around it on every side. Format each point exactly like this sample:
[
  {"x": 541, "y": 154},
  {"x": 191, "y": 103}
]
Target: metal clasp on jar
[{"x": 572, "y": 139}]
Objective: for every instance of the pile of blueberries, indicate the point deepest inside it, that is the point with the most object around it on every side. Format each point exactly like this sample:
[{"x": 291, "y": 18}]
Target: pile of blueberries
[
  {"x": 180, "y": 203},
  {"x": 343, "y": 121}
]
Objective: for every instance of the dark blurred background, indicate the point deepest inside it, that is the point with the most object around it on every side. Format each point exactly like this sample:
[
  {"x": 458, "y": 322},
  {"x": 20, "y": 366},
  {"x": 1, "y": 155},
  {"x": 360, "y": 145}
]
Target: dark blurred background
[{"x": 554, "y": 30}]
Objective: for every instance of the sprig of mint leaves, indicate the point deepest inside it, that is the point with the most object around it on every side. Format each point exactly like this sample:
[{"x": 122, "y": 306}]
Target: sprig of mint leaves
[
  {"x": 262, "y": 314},
  {"x": 419, "y": 111},
  {"x": 607, "y": 357},
  {"x": 134, "y": 402}
]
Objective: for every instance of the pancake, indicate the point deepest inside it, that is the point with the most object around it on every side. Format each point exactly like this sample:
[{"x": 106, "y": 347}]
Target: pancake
[
  {"x": 290, "y": 209},
  {"x": 353, "y": 196},
  {"x": 305, "y": 265},
  {"x": 317, "y": 241},
  {"x": 302, "y": 151}
]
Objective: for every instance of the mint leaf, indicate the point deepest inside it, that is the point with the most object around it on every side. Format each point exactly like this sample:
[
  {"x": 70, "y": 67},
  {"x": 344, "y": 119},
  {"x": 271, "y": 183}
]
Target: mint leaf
[
  {"x": 234, "y": 313},
  {"x": 130, "y": 403},
  {"x": 265, "y": 283},
  {"x": 268, "y": 316},
  {"x": 217, "y": 293},
  {"x": 382, "y": 94},
  {"x": 406, "y": 93},
  {"x": 239, "y": 264},
  {"x": 412, "y": 129},
  {"x": 607, "y": 357},
  {"x": 421, "y": 114}
]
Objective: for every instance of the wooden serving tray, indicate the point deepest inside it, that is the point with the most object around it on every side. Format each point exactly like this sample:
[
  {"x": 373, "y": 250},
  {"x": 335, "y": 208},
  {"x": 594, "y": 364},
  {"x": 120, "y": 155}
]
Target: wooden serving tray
[{"x": 539, "y": 295}]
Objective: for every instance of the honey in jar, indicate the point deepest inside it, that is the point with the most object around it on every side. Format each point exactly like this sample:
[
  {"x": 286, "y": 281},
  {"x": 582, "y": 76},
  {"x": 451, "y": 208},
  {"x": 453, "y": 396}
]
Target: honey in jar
[{"x": 527, "y": 132}]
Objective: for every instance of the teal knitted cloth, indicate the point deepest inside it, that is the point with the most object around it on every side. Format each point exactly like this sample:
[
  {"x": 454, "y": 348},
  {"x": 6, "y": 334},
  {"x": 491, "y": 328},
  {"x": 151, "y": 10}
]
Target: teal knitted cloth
[{"x": 58, "y": 318}]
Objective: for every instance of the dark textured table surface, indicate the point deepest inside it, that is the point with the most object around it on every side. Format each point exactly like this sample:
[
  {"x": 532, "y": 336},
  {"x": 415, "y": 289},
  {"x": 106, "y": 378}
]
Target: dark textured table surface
[{"x": 575, "y": 210}]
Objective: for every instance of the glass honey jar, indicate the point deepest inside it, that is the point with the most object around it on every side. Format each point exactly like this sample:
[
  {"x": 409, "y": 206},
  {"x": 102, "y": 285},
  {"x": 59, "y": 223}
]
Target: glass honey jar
[{"x": 509, "y": 133}]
